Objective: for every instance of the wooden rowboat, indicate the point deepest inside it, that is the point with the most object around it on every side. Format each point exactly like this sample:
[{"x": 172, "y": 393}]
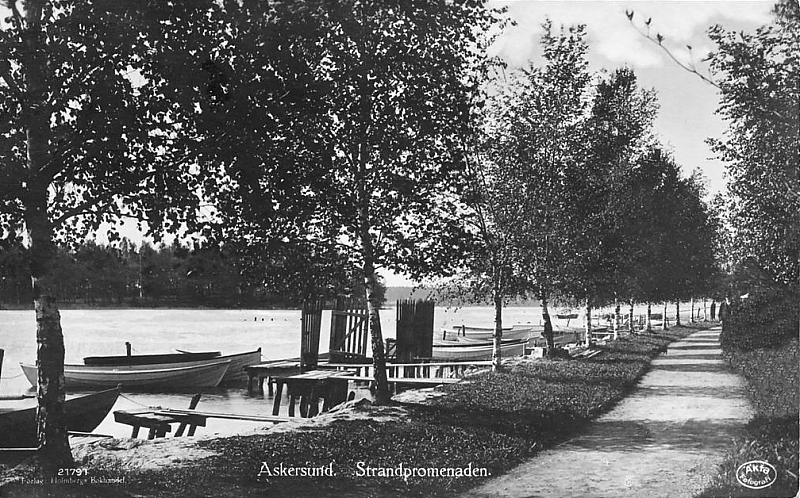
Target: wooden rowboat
[
  {"x": 83, "y": 414},
  {"x": 486, "y": 333},
  {"x": 476, "y": 350},
  {"x": 207, "y": 374},
  {"x": 236, "y": 371},
  {"x": 149, "y": 359}
]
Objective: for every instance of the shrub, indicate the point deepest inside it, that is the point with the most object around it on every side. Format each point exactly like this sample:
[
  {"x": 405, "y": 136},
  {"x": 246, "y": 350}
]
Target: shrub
[{"x": 768, "y": 318}]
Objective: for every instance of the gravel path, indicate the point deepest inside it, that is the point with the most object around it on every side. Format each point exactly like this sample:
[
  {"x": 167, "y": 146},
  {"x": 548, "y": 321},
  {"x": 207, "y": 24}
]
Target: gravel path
[{"x": 664, "y": 440}]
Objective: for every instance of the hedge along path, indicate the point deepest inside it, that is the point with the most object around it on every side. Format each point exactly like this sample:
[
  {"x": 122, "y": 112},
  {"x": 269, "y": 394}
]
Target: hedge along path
[{"x": 664, "y": 440}]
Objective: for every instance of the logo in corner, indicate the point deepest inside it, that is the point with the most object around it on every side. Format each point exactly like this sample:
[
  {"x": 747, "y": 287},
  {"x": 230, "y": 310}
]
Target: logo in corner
[{"x": 756, "y": 474}]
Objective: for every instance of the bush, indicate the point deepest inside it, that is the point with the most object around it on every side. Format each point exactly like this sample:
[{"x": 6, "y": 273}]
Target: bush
[{"x": 768, "y": 318}]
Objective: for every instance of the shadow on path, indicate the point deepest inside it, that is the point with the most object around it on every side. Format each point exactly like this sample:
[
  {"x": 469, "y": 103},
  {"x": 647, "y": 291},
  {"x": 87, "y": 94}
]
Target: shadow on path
[{"x": 664, "y": 440}]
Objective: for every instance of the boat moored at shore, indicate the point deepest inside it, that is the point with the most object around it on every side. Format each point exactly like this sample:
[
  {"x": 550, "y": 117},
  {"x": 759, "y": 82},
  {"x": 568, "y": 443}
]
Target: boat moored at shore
[{"x": 138, "y": 377}]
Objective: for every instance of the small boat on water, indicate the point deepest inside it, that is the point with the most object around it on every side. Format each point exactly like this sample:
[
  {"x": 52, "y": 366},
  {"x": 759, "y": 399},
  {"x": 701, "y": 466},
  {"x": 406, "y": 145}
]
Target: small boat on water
[
  {"x": 83, "y": 414},
  {"x": 235, "y": 371},
  {"x": 486, "y": 333},
  {"x": 157, "y": 376},
  {"x": 473, "y": 349}
]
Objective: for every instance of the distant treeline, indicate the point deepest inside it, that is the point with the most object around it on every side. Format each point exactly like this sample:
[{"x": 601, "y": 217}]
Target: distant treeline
[
  {"x": 124, "y": 274},
  {"x": 128, "y": 275}
]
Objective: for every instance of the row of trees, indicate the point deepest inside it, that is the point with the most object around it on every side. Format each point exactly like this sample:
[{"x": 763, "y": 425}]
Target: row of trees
[
  {"x": 758, "y": 79},
  {"x": 326, "y": 140},
  {"x": 573, "y": 199}
]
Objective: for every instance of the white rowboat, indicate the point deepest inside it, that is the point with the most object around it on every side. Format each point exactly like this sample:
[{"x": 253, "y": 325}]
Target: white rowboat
[{"x": 208, "y": 374}]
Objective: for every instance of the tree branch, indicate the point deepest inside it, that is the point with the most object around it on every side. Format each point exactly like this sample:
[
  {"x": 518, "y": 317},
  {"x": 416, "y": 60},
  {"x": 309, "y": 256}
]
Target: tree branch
[
  {"x": 658, "y": 40},
  {"x": 5, "y": 72},
  {"x": 17, "y": 17}
]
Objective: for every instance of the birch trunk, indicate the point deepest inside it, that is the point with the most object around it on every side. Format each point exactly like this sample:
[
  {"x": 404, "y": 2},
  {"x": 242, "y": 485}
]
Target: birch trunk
[
  {"x": 588, "y": 328},
  {"x": 548, "y": 326},
  {"x": 51, "y": 430},
  {"x": 617, "y": 318},
  {"x": 497, "y": 360},
  {"x": 382, "y": 394},
  {"x": 705, "y": 310},
  {"x": 630, "y": 318}
]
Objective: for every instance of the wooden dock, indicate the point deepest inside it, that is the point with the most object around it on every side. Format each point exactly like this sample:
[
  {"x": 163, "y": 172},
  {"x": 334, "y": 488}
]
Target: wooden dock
[{"x": 159, "y": 420}]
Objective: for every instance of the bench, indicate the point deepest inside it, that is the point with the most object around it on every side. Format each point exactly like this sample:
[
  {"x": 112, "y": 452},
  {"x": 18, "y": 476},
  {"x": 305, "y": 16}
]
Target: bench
[{"x": 160, "y": 423}]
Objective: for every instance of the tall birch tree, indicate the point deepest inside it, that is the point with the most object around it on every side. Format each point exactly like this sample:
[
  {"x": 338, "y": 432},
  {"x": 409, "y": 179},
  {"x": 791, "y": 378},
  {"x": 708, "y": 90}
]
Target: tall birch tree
[{"x": 83, "y": 144}]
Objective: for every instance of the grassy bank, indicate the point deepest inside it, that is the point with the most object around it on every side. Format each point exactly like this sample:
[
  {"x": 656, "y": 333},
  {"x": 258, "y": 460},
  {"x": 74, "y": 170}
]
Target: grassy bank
[
  {"x": 772, "y": 435},
  {"x": 485, "y": 427}
]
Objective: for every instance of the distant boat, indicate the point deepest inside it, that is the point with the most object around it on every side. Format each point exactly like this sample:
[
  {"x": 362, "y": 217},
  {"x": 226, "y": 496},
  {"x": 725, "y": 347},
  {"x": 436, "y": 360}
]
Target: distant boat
[
  {"x": 471, "y": 349},
  {"x": 83, "y": 414},
  {"x": 149, "y": 359},
  {"x": 158, "y": 376},
  {"x": 236, "y": 371}
]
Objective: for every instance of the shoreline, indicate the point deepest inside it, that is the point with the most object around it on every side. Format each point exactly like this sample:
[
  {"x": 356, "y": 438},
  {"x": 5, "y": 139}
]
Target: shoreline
[{"x": 492, "y": 421}]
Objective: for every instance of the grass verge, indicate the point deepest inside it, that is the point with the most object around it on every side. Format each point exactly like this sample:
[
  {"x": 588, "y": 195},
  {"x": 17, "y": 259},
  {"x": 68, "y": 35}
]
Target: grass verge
[
  {"x": 772, "y": 435},
  {"x": 485, "y": 427}
]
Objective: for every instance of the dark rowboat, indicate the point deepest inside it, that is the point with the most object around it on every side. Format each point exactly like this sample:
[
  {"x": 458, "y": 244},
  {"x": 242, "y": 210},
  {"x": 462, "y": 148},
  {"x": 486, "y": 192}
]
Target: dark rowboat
[
  {"x": 84, "y": 413},
  {"x": 148, "y": 359}
]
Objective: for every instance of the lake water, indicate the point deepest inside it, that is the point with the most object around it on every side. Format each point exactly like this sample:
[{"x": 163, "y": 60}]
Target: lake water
[{"x": 276, "y": 332}]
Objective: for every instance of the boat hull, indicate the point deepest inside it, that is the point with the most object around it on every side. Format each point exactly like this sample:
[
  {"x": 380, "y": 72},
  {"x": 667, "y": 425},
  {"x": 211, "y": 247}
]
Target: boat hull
[
  {"x": 487, "y": 333},
  {"x": 149, "y": 359},
  {"x": 475, "y": 350},
  {"x": 236, "y": 371},
  {"x": 83, "y": 414},
  {"x": 141, "y": 377}
]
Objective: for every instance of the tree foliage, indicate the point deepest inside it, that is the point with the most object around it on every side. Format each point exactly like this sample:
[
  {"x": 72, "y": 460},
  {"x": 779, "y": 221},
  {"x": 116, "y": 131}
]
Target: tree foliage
[
  {"x": 352, "y": 157},
  {"x": 759, "y": 79}
]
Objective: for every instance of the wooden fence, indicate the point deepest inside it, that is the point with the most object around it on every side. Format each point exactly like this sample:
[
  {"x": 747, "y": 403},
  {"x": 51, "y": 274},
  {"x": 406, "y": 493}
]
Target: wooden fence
[
  {"x": 414, "y": 329},
  {"x": 310, "y": 323},
  {"x": 349, "y": 330}
]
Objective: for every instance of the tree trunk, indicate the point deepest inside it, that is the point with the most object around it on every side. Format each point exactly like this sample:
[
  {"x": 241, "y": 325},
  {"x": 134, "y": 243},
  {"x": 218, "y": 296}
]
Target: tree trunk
[
  {"x": 588, "y": 322},
  {"x": 678, "y": 312},
  {"x": 648, "y": 320},
  {"x": 617, "y": 318},
  {"x": 497, "y": 360},
  {"x": 691, "y": 314},
  {"x": 51, "y": 427},
  {"x": 548, "y": 326},
  {"x": 705, "y": 310},
  {"x": 664, "y": 318},
  {"x": 382, "y": 394},
  {"x": 630, "y": 318}
]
